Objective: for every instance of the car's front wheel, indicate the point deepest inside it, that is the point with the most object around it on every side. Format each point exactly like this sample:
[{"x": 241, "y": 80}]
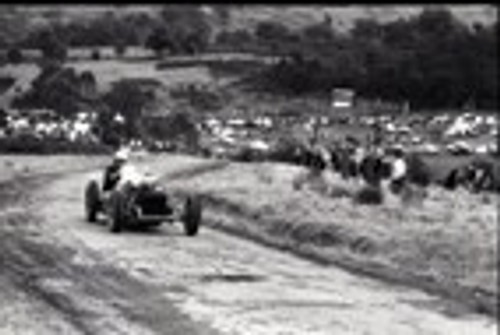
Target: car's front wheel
[
  {"x": 92, "y": 201},
  {"x": 117, "y": 217},
  {"x": 192, "y": 215}
]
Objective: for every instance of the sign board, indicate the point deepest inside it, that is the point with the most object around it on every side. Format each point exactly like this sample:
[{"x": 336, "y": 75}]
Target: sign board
[{"x": 342, "y": 98}]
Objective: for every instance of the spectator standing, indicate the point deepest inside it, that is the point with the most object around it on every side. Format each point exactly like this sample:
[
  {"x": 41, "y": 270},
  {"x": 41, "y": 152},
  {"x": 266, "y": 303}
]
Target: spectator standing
[
  {"x": 399, "y": 169},
  {"x": 371, "y": 167}
]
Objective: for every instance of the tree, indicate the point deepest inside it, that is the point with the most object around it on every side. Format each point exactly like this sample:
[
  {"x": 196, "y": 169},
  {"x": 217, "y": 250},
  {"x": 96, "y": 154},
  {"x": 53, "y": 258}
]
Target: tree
[
  {"x": 127, "y": 98},
  {"x": 95, "y": 55},
  {"x": 15, "y": 56},
  {"x": 159, "y": 40},
  {"x": 271, "y": 31},
  {"x": 57, "y": 88},
  {"x": 223, "y": 14},
  {"x": 366, "y": 29},
  {"x": 319, "y": 33},
  {"x": 52, "y": 48},
  {"x": 275, "y": 36},
  {"x": 237, "y": 40},
  {"x": 120, "y": 48},
  {"x": 178, "y": 126},
  {"x": 186, "y": 28},
  {"x": 88, "y": 85},
  {"x": 3, "y": 118}
]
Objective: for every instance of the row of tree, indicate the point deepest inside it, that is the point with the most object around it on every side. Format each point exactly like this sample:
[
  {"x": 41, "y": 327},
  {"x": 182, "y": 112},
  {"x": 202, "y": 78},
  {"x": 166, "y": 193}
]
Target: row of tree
[
  {"x": 430, "y": 61},
  {"x": 65, "y": 91},
  {"x": 180, "y": 29}
]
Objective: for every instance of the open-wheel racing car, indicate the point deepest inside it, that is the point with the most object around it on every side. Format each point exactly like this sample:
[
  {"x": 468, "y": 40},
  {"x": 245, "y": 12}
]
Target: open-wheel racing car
[{"x": 139, "y": 202}]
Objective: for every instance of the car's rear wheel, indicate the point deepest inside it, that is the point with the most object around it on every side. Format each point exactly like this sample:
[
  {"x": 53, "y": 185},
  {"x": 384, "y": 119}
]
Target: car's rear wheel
[
  {"x": 92, "y": 201},
  {"x": 192, "y": 215}
]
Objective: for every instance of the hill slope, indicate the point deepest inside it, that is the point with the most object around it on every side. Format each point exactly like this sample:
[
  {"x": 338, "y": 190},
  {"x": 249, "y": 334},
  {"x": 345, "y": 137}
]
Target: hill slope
[
  {"x": 17, "y": 19},
  {"x": 343, "y": 17}
]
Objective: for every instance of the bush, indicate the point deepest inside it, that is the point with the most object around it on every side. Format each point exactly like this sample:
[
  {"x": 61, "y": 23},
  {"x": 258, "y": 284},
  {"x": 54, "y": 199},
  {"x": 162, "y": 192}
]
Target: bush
[
  {"x": 27, "y": 144},
  {"x": 15, "y": 56},
  {"x": 287, "y": 151},
  {"x": 419, "y": 172},
  {"x": 246, "y": 154},
  {"x": 5, "y": 84},
  {"x": 120, "y": 49},
  {"x": 95, "y": 55},
  {"x": 369, "y": 195}
]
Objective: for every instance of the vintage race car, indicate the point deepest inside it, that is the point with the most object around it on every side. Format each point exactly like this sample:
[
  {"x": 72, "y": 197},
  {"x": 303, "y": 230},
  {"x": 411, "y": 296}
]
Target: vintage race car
[{"x": 139, "y": 201}]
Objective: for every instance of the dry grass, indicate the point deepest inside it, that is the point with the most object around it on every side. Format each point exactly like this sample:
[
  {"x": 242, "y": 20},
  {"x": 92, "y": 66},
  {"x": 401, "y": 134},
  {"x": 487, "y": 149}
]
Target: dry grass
[
  {"x": 449, "y": 237},
  {"x": 14, "y": 166}
]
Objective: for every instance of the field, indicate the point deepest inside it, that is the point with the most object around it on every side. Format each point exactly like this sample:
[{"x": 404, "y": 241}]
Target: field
[
  {"x": 447, "y": 243},
  {"x": 108, "y": 71}
]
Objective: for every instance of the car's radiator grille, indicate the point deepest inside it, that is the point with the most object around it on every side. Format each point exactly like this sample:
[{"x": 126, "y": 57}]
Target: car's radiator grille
[{"x": 153, "y": 204}]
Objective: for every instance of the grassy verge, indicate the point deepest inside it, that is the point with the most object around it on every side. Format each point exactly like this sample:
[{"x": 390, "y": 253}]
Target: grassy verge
[
  {"x": 447, "y": 245},
  {"x": 19, "y": 166}
]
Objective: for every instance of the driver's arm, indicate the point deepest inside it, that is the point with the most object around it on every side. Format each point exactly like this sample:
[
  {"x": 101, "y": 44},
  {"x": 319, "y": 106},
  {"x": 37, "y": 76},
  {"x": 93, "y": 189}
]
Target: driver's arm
[{"x": 111, "y": 178}]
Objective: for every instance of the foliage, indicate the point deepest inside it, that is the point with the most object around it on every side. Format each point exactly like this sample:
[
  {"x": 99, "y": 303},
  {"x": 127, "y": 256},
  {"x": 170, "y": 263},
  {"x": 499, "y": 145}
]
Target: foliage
[
  {"x": 3, "y": 118},
  {"x": 95, "y": 55},
  {"x": 120, "y": 48},
  {"x": 369, "y": 195},
  {"x": 58, "y": 88},
  {"x": 48, "y": 42},
  {"x": 177, "y": 127},
  {"x": 158, "y": 40},
  {"x": 27, "y": 144},
  {"x": 431, "y": 61},
  {"x": 275, "y": 37},
  {"x": 237, "y": 40},
  {"x": 15, "y": 56},
  {"x": 182, "y": 30},
  {"x": 108, "y": 29},
  {"x": 201, "y": 99},
  {"x": 127, "y": 98},
  {"x": 287, "y": 150},
  {"x": 5, "y": 84},
  {"x": 418, "y": 171}
]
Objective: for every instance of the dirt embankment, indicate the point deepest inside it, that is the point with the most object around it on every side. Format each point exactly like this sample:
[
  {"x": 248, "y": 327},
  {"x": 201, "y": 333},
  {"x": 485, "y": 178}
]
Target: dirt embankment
[{"x": 446, "y": 246}]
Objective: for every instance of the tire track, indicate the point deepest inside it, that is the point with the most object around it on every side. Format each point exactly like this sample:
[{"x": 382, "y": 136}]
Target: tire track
[{"x": 93, "y": 299}]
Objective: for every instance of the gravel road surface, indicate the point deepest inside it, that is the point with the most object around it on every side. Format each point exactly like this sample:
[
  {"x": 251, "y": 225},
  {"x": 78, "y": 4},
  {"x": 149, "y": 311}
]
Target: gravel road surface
[{"x": 61, "y": 275}]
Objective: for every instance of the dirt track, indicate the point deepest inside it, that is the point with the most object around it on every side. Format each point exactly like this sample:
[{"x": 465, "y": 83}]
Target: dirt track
[{"x": 60, "y": 275}]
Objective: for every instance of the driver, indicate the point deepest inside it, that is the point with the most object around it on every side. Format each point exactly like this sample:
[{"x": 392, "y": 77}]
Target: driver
[{"x": 112, "y": 173}]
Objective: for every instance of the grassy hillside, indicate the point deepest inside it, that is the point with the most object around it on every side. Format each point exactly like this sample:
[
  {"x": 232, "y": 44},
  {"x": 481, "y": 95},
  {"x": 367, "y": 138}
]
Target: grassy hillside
[
  {"x": 17, "y": 19},
  {"x": 343, "y": 17}
]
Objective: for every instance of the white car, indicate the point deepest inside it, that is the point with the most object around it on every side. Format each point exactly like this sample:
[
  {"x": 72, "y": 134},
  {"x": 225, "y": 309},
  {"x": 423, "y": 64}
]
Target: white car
[
  {"x": 459, "y": 148},
  {"x": 482, "y": 149},
  {"x": 429, "y": 148},
  {"x": 416, "y": 140},
  {"x": 259, "y": 145}
]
